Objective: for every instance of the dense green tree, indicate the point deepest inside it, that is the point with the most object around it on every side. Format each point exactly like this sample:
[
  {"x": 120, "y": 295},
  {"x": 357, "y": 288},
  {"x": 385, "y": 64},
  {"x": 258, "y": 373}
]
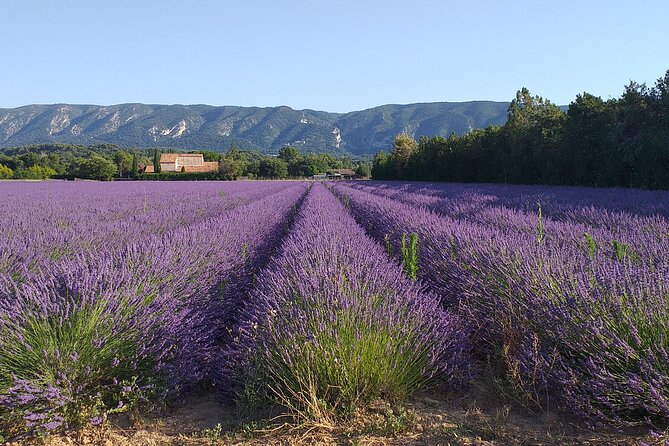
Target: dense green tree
[
  {"x": 589, "y": 135},
  {"x": 302, "y": 167},
  {"x": 533, "y": 132},
  {"x": 229, "y": 168},
  {"x": 325, "y": 162},
  {"x": 134, "y": 169},
  {"x": 659, "y": 134},
  {"x": 429, "y": 158},
  {"x": 403, "y": 148},
  {"x": 290, "y": 154},
  {"x": 13, "y": 162},
  {"x": 631, "y": 159},
  {"x": 31, "y": 159},
  {"x": 35, "y": 172},
  {"x": 345, "y": 162},
  {"x": 271, "y": 167},
  {"x": 234, "y": 152},
  {"x": 54, "y": 161},
  {"x": 208, "y": 155},
  {"x": 156, "y": 161},
  {"x": 381, "y": 169},
  {"x": 123, "y": 162},
  {"x": 97, "y": 168},
  {"x": 363, "y": 169},
  {"x": 5, "y": 172},
  {"x": 617, "y": 142},
  {"x": 252, "y": 168}
]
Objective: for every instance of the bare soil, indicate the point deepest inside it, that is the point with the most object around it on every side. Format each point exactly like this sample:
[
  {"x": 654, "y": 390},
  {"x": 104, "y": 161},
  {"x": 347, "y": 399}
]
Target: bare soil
[{"x": 477, "y": 417}]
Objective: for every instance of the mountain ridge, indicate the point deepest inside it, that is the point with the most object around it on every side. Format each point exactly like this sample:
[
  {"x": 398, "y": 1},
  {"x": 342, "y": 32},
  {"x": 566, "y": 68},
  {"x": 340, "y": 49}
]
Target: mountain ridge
[{"x": 203, "y": 126}]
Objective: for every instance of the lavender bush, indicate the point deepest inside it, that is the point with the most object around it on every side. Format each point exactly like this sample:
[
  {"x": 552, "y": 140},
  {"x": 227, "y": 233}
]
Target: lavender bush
[
  {"x": 48, "y": 221},
  {"x": 333, "y": 323},
  {"x": 574, "y": 319},
  {"x": 114, "y": 295},
  {"x": 94, "y": 332},
  {"x": 559, "y": 202}
]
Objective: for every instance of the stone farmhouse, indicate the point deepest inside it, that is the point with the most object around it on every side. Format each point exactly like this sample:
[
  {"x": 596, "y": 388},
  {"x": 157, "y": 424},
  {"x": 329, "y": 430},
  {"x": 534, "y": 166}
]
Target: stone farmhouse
[{"x": 184, "y": 162}]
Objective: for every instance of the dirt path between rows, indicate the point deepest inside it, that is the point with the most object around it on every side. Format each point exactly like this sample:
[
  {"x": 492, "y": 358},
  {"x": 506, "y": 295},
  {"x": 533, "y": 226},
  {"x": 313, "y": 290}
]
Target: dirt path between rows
[{"x": 475, "y": 418}]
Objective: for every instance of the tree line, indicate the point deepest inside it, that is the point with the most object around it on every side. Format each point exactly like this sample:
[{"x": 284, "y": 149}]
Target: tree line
[
  {"x": 42, "y": 161},
  {"x": 290, "y": 163},
  {"x": 616, "y": 142},
  {"x": 108, "y": 161}
]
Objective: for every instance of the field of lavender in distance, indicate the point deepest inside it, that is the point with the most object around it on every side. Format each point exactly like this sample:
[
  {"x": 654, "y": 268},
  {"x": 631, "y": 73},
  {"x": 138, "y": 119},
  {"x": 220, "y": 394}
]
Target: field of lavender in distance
[{"x": 335, "y": 312}]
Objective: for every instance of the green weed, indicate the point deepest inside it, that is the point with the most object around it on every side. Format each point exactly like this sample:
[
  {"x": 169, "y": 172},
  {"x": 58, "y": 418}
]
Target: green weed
[
  {"x": 410, "y": 255},
  {"x": 592, "y": 245}
]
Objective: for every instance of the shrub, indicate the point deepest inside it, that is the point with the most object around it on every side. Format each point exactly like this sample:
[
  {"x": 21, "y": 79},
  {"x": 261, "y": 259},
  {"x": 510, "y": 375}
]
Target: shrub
[
  {"x": 179, "y": 176},
  {"x": 5, "y": 172},
  {"x": 335, "y": 323},
  {"x": 66, "y": 360},
  {"x": 34, "y": 173}
]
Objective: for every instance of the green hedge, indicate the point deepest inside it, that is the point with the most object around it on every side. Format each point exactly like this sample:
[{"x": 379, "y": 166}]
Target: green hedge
[{"x": 179, "y": 176}]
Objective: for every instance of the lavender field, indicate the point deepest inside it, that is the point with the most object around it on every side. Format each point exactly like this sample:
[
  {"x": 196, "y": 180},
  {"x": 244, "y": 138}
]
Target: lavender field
[{"x": 322, "y": 297}]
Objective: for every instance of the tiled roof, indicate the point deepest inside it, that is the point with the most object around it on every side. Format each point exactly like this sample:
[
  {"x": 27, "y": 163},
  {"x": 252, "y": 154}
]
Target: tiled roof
[
  {"x": 149, "y": 169},
  {"x": 168, "y": 157},
  {"x": 207, "y": 166}
]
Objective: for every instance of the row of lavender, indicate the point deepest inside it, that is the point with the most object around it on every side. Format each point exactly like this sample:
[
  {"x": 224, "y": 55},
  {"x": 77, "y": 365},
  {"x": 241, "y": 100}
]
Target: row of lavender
[
  {"x": 334, "y": 322},
  {"x": 614, "y": 235},
  {"x": 99, "y": 310},
  {"x": 614, "y": 209},
  {"x": 560, "y": 202},
  {"x": 46, "y": 221},
  {"x": 94, "y": 331},
  {"x": 576, "y": 313}
]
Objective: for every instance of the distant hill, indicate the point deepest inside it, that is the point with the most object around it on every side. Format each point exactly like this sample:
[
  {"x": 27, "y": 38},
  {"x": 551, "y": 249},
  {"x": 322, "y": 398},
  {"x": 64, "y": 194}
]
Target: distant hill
[{"x": 267, "y": 129}]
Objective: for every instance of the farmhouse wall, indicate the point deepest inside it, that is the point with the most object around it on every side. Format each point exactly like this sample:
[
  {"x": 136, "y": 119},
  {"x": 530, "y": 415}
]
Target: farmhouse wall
[{"x": 168, "y": 167}]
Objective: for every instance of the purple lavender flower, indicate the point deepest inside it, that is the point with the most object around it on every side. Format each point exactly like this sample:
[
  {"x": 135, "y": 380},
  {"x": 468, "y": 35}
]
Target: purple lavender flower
[
  {"x": 133, "y": 285},
  {"x": 96, "y": 421},
  {"x": 333, "y": 312},
  {"x": 574, "y": 302}
]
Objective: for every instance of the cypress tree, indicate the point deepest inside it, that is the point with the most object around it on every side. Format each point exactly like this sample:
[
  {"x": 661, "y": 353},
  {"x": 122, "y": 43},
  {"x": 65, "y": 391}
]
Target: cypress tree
[
  {"x": 156, "y": 161},
  {"x": 135, "y": 169}
]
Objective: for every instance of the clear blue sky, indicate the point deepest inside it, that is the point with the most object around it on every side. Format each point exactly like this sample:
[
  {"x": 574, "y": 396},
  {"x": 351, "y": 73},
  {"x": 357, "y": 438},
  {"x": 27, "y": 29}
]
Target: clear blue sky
[{"x": 326, "y": 55}]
